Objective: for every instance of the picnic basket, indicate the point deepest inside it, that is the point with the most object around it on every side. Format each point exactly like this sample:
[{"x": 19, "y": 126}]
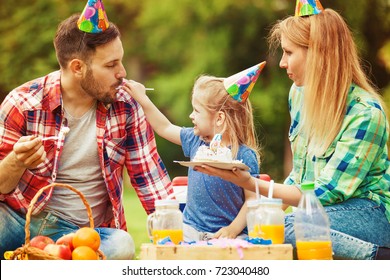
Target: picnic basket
[{"x": 27, "y": 252}]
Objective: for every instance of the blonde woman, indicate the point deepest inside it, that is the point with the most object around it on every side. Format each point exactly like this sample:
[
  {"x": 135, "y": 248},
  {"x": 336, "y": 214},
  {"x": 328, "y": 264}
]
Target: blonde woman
[
  {"x": 215, "y": 208},
  {"x": 338, "y": 136}
]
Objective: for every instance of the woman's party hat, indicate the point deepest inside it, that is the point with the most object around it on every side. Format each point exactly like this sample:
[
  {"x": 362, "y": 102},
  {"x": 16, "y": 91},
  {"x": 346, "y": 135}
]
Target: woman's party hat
[
  {"x": 93, "y": 19},
  {"x": 240, "y": 85},
  {"x": 308, "y": 8}
]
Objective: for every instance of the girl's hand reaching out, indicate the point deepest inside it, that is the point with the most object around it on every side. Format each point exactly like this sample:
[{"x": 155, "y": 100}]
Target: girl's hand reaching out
[
  {"x": 136, "y": 90},
  {"x": 159, "y": 122}
]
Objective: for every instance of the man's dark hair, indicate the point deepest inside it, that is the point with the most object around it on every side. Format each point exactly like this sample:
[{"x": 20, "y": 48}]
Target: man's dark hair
[{"x": 70, "y": 42}]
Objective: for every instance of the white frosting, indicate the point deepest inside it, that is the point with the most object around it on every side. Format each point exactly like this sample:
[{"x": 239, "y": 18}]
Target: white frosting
[
  {"x": 65, "y": 130},
  {"x": 222, "y": 154}
]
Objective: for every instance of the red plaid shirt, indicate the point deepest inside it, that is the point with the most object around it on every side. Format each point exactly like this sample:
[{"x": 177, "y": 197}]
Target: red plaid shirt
[{"x": 124, "y": 139}]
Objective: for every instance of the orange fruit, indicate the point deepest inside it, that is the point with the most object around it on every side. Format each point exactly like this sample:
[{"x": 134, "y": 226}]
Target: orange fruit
[
  {"x": 86, "y": 236},
  {"x": 84, "y": 253}
]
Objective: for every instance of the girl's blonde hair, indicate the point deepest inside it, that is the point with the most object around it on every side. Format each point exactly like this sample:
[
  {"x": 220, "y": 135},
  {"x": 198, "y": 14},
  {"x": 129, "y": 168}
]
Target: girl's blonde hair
[
  {"x": 332, "y": 65},
  {"x": 239, "y": 125}
]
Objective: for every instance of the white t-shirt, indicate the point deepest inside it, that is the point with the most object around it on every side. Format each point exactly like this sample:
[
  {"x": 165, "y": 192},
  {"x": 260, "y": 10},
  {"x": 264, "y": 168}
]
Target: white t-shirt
[{"x": 79, "y": 167}]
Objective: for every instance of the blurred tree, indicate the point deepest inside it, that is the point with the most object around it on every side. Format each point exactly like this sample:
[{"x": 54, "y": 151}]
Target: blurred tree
[
  {"x": 27, "y": 29},
  {"x": 169, "y": 43}
]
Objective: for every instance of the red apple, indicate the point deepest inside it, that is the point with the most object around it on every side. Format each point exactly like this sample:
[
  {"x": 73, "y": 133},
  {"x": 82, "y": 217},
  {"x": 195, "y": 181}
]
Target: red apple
[
  {"x": 66, "y": 240},
  {"x": 40, "y": 241},
  {"x": 61, "y": 251}
]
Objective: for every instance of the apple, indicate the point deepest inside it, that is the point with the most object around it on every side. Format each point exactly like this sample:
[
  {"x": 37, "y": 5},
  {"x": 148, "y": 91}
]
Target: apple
[
  {"x": 59, "y": 250},
  {"x": 41, "y": 241},
  {"x": 66, "y": 240}
]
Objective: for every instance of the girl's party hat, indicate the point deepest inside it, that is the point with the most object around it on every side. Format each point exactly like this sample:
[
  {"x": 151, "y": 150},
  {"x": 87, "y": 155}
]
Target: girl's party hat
[
  {"x": 93, "y": 19},
  {"x": 240, "y": 85},
  {"x": 308, "y": 8}
]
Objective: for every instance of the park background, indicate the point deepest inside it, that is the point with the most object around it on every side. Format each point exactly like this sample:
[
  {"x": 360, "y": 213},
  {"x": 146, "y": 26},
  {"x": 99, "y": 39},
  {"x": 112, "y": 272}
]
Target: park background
[{"x": 169, "y": 43}]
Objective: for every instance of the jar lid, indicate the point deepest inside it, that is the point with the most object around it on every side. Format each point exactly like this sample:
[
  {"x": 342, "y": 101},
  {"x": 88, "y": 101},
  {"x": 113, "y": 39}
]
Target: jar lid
[
  {"x": 307, "y": 186},
  {"x": 253, "y": 203},
  {"x": 271, "y": 201},
  {"x": 166, "y": 202}
]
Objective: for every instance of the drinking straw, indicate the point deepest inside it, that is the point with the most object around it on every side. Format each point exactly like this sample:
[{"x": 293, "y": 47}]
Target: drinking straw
[
  {"x": 271, "y": 189},
  {"x": 257, "y": 190}
]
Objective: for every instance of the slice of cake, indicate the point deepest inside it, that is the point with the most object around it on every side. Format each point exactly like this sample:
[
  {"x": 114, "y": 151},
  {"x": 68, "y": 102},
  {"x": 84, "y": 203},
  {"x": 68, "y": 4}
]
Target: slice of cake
[{"x": 221, "y": 154}]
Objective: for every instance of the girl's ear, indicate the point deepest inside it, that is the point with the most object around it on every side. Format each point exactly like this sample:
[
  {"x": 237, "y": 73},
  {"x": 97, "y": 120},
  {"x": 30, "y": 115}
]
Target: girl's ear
[{"x": 220, "y": 118}]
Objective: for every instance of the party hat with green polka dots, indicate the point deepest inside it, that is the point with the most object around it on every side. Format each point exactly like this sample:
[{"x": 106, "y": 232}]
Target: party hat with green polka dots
[
  {"x": 93, "y": 19},
  {"x": 240, "y": 85},
  {"x": 308, "y": 8}
]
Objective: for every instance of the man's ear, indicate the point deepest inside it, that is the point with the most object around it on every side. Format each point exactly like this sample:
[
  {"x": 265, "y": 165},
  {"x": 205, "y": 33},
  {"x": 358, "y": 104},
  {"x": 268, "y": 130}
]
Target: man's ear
[{"x": 77, "y": 67}]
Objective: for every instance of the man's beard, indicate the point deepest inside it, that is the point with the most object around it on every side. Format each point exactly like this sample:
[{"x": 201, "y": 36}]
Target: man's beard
[{"x": 94, "y": 89}]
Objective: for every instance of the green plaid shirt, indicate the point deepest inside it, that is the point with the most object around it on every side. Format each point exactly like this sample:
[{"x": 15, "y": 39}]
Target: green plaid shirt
[{"x": 356, "y": 164}]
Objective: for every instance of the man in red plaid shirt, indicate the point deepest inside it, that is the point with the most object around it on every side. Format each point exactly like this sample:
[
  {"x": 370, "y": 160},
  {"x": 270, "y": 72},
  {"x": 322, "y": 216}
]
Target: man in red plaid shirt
[{"x": 98, "y": 130}]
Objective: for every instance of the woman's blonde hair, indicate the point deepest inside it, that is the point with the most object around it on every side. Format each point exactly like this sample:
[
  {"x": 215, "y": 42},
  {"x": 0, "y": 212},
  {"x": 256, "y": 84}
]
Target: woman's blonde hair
[
  {"x": 332, "y": 65},
  {"x": 239, "y": 125}
]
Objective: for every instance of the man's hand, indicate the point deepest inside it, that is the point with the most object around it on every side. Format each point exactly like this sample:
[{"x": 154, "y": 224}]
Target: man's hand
[{"x": 29, "y": 152}]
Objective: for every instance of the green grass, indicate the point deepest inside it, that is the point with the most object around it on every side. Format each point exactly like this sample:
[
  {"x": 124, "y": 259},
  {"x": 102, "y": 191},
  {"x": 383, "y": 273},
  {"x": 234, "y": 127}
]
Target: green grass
[{"x": 136, "y": 219}]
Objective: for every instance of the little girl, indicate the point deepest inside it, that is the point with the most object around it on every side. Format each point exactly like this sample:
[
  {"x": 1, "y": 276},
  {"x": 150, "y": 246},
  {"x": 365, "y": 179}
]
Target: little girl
[{"x": 215, "y": 208}]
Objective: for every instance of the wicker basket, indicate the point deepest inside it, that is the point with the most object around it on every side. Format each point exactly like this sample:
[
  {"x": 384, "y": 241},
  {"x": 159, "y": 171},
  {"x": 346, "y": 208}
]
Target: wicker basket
[{"x": 27, "y": 252}]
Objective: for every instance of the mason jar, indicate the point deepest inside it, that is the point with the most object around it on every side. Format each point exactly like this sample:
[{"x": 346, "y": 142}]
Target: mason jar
[
  {"x": 166, "y": 222},
  {"x": 252, "y": 222},
  {"x": 271, "y": 218}
]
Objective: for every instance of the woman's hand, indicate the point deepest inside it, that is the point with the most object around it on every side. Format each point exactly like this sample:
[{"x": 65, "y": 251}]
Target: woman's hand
[{"x": 236, "y": 176}]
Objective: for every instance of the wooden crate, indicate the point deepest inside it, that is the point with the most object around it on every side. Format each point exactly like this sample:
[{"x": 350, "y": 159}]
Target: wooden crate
[{"x": 211, "y": 252}]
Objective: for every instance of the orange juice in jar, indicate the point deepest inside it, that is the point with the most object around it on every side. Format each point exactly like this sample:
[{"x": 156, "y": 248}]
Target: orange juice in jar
[
  {"x": 272, "y": 220},
  {"x": 312, "y": 227},
  {"x": 166, "y": 221},
  {"x": 255, "y": 232},
  {"x": 252, "y": 219},
  {"x": 176, "y": 235},
  {"x": 273, "y": 232},
  {"x": 314, "y": 250}
]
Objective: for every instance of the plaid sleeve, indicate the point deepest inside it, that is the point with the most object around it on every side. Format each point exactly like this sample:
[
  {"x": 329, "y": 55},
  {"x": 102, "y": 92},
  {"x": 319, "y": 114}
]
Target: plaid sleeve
[
  {"x": 289, "y": 180},
  {"x": 12, "y": 125},
  {"x": 355, "y": 154},
  {"x": 146, "y": 169}
]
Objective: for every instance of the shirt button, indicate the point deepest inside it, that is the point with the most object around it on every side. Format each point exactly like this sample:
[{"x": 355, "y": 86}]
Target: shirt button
[{"x": 358, "y": 99}]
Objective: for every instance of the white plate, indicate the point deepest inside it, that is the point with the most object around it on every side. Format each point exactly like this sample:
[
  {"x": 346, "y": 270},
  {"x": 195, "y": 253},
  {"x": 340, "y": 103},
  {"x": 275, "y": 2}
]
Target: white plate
[{"x": 221, "y": 165}]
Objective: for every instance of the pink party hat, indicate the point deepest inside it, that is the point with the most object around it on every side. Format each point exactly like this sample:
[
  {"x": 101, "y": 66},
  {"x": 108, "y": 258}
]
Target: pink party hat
[
  {"x": 93, "y": 19},
  {"x": 308, "y": 8},
  {"x": 240, "y": 85}
]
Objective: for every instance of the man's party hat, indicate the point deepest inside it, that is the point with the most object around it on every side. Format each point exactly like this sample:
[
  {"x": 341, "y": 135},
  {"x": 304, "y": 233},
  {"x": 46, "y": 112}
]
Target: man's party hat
[
  {"x": 308, "y": 8},
  {"x": 240, "y": 85},
  {"x": 93, "y": 19}
]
